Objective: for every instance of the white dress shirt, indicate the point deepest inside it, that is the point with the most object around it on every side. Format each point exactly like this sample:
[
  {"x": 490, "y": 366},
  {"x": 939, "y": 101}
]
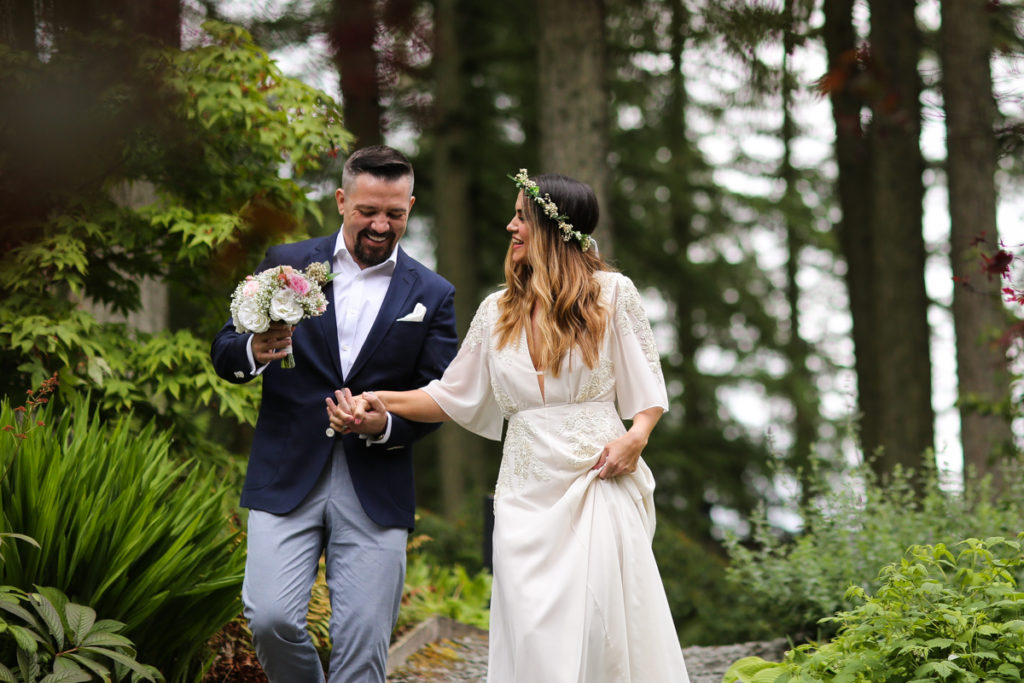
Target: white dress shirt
[{"x": 358, "y": 295}]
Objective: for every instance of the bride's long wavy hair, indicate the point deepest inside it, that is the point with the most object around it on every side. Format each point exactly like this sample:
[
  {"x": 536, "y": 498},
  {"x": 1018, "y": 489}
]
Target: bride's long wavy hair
[{"x": 557, "y": 278}]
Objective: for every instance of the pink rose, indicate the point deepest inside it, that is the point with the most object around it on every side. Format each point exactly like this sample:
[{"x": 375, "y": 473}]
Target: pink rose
[
  {"x": 297, "y": 283},
  {"x": 251, "y": 287}
]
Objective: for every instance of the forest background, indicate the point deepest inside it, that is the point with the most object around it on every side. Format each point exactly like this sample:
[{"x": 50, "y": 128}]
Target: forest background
[{"x": 764, "y": 169}]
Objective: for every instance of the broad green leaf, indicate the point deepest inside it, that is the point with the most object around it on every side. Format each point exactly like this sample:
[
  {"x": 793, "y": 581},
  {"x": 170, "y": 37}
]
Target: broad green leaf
[
  {"x": 940, "y": 668},
  {"x": 49, "y": 614},
  {"x": 76, "y": 675},
  {"x": 17, "y": 610},
  {"x": 106, "y": 639},
  {"x": 107, "y": 626},
  {"x": 27, "y": 640},
  {"x": 1009, "y": 670},
  {"x": 28, "y": 664},
  {"x": 101, "y": 670},
  {"x": 768, "y": 675},
  {"x": 62, "y": 662},
  {"x": 939, "y": 642},
  {"x": 745, "y": 669},
  {"x": 118, "y": 657},
  {"x": 80, "y": 619}
]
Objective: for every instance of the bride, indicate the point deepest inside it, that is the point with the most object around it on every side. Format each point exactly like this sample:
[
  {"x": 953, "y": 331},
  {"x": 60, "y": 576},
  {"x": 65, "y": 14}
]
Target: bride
[{"x": 560, "y": 353}]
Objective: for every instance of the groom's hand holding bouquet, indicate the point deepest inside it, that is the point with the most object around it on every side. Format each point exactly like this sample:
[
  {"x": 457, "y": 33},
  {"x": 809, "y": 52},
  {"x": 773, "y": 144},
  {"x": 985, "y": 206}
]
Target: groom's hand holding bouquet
[{"x": 270, "y": 304}]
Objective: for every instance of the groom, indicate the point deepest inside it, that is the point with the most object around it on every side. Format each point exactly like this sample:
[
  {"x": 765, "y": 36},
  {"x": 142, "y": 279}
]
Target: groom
[{"x": 390, "y": 324}]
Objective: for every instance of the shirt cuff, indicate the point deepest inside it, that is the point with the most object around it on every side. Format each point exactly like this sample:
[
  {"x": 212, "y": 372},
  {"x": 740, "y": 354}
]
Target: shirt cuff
[
  {"x": 383, "y": 437},
  {"x": 253, "y": 370}
]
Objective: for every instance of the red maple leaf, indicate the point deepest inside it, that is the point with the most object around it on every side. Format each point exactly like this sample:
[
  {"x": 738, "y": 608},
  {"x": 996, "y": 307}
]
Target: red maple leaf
[
  {"x": 1013, "y": 296},
  {"x": 997, "y": 264}
]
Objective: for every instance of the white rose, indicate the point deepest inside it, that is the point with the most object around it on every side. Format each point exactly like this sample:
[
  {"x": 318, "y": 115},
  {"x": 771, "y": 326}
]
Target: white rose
[
  {"x": 252, "y": 317},
  {"x": 285, "y": 306}
]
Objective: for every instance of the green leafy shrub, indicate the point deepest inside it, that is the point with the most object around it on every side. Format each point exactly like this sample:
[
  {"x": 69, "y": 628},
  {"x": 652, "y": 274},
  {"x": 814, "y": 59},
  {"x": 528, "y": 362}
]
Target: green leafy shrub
[
  {"x": 59, "y": 640},
  {"x": 122, "y": 527},
  {"x": 935, "y": 617},
  {"x": 850, "y": 530},
  {"x": 202, "y": 135},
  {"x": 449, "y": 591}
]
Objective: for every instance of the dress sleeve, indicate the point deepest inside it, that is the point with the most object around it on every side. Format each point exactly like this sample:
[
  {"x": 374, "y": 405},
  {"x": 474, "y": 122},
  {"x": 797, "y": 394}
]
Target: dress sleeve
[
  {"x": 464, "y": 391},
  {"x": 639, "y": 383}
]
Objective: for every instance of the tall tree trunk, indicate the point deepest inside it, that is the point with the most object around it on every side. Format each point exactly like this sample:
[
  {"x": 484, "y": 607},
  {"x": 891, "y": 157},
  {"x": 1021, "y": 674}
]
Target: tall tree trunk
[
  {"x": 970, "y": 168},
  {"x": 459, "y": 451},
  {"x": 854, "y": 193},
  {"x": 901, "y": 333},
  {"x": 573, "y": 97},
  {"x": 352, "y": 29}
]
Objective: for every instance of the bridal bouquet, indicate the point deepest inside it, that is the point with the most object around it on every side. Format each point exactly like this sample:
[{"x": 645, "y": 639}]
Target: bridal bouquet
[{"x": 279, "y": 294}]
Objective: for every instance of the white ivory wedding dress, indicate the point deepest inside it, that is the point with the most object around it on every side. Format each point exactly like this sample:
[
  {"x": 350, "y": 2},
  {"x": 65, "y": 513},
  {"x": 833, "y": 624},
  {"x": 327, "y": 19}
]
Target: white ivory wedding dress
[{"x": 577, "y": 597}]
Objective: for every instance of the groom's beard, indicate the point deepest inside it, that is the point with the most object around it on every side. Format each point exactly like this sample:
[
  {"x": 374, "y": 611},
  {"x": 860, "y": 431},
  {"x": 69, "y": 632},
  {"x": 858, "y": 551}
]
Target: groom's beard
[{"x": 370, "y": 253}]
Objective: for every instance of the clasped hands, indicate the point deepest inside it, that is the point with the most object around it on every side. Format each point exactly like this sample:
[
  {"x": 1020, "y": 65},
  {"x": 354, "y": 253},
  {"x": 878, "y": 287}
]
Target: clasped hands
[{"x": 363, "y": 414}]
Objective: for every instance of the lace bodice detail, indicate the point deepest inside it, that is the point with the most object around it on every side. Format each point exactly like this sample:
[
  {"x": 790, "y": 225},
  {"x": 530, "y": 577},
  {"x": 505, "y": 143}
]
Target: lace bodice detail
[{"x": 485, "y": 385}]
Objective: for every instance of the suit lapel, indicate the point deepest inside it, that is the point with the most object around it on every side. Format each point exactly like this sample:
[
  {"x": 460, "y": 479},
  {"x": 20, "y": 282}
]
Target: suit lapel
[
  {"x": 395, "y": 301},
  {"x": 329, "y": 320}
]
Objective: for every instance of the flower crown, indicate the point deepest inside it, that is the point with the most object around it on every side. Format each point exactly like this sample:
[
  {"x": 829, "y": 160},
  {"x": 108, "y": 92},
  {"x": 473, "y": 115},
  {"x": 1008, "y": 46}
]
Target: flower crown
[{"x": 529, "y": 187}]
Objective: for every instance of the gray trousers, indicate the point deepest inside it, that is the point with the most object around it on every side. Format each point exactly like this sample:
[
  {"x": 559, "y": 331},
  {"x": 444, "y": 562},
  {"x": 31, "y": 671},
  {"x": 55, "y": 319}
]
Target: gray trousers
[{"x": 365, "y": 575}]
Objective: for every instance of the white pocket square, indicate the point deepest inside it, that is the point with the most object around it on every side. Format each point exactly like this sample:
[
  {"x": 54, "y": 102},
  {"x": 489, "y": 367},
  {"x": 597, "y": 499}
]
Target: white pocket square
[{"x": 418, "y": 311}]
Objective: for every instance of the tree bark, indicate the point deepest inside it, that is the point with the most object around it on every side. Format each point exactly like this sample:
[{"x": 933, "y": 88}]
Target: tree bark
[
  {"x": 900, "y": 303},
  {"x": 573, "y": 97},
  {"x": 352, "y": 30},
  {"x": 459, "y": 451},
  {"x": 978, "y": 316},
  {"x": 854, "y": 195}
]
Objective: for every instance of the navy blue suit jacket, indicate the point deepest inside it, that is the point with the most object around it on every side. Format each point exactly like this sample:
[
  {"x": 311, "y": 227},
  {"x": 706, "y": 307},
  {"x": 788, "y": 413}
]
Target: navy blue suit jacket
[{"x": 290, "y": 446}]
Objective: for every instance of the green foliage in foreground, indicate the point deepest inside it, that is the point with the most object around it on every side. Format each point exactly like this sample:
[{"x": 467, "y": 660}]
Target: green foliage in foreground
[
  {"x": 53, "y": 639},
  {"x": 850, "y": 530},
  {"x": 122, "y": 527},
  {"x": 936, "y": 617},
  {"x": 449, "y": 591}
]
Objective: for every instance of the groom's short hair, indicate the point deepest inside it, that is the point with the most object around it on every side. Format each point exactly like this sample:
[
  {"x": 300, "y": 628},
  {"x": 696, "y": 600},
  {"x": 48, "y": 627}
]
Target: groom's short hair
[{"x": 380, "y": 161}]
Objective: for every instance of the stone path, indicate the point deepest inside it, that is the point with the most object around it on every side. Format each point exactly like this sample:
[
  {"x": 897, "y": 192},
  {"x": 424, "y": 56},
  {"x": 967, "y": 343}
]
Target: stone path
[
  {"x": 462, "y": 660},
  {"x": 460, "y": 656}
]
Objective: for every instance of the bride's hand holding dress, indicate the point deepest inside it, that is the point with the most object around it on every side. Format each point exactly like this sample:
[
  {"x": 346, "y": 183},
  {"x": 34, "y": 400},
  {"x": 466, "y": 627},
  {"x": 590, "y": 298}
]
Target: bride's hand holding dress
[{"x": 620, "y": 456}]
